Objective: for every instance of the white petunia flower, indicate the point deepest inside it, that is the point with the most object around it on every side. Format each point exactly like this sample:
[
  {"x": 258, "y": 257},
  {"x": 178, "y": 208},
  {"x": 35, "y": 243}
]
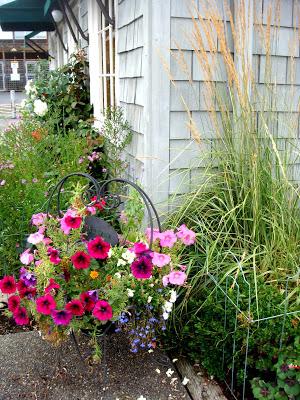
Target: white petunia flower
[
  {"x": 121, "y": 263},
  {"x": 165, "y": 315},
  {"x": 173, "y": 296},
  {"x": 128, "y": 256},
  {"x": 168, "y": 306},
  {"x": 169, "y": 373},
  {"x": 185, "y": 381},
  {"x": 40, "y": 107},
  {"x": 130, "y": 292},
  {"x": 118, "y": 275},
  {"x": 149, "y": 299}
]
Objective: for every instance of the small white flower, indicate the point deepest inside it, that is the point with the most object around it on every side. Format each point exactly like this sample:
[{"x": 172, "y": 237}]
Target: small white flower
[
  {"x": 149, "y": 299},
  {"x": 168, "y": 306},
  {"x": 128, "y": 256},
  {"x": 165, "y": 315},
  {"x": 121, "y": 263},
  {"x": 130, "y": 292},
  {"x": 151, "y": 285},
  {"x": 185, "y": 381},
  {"x": 118, "y": 275},
  {"x": 29, "y": 86},
  {"x": 173, "y": 296},
  {"x": 169, "y": 373},
  {"x": 109, "y": 254},
  {"x": 40, "y": 107},
  {"x": 157, "y": 370}
]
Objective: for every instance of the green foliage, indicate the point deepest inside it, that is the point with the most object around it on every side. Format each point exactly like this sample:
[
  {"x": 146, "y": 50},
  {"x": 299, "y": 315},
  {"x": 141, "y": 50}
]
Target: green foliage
[
  {"x": 132, "y": 216},
  {"x": 286, "y": 384},
  {"x": 32, "y": 159},
  {"x": 66, "y": 95},
  {"x": 118, "y": 135}
]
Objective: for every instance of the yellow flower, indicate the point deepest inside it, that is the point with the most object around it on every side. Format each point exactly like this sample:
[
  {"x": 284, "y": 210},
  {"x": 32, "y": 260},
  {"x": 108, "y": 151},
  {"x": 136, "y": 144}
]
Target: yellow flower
[{"x": 94, "y": 274}]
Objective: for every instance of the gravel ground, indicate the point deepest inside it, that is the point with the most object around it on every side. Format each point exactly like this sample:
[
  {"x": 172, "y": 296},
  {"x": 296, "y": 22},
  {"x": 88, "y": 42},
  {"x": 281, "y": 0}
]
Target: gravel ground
[{"x": 30, "y": 369}]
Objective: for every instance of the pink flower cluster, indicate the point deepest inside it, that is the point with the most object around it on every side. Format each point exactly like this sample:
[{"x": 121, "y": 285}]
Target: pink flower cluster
[{"x": 169, "y": 238}]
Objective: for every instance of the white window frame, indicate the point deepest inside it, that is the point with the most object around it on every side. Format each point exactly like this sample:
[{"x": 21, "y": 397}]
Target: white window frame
[{"x": 107, "y": 44}]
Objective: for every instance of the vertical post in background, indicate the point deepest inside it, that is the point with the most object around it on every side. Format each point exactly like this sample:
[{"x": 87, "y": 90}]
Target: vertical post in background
[{"x": 13, "y": 103}]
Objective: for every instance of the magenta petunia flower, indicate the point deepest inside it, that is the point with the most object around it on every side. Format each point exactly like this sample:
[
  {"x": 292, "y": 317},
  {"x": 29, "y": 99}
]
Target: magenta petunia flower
[
  {"x": 98, "y": 248},
  {"x": 45, "y": 304},
  {"x": 87, "y": 301},
  {"x": 177, "y": 277},
  {"x": 142, "y": 268},
  {"x": 35, "y": 238},
  {"x": 52, "y": 285},
  {"x": 102, "y": 310},
  {"x": 81, "y": 260},
  {"x": 8, "y": 285},
  {"x": 13, "y": 303},
  {"x": 28, "y": 292},
  {"x": 61, "y": 317},
  {"x": 187, "y": 236},
  {"x": 20, "y": 316},
  {"x": 53, "y": 255},
  {"x": 140, "y": 248},
  {"x": 160, "y": 259},
  {"x": 168, "y": 239},
  {"x": 26, "y": 257},
  {"x": 75, "y": 307},
  {"x": 38, "y": 219},
  {"x": 70, "y": 221}
]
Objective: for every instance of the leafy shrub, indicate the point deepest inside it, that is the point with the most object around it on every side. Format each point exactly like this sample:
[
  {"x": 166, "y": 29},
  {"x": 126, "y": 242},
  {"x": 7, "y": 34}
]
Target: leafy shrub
[{"x": 61, "y": 97}]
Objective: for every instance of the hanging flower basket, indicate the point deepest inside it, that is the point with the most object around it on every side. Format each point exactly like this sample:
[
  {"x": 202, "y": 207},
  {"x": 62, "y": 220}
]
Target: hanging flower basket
[{"x": 80, "y": 275}]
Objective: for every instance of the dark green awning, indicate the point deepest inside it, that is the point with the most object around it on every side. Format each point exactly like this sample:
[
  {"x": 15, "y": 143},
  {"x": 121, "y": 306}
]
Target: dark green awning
[{"x": 25, "y": 15}]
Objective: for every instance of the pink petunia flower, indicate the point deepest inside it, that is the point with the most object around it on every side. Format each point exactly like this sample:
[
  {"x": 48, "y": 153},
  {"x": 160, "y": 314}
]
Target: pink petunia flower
[
  {"x": 177, "y": 277},
  {"x": 47, "y": 241},
  {"x": 52, "y": 286},
  {"x": 160, "y": 259},
  {"x": 156, "y": 234},
  {"x": 75, "y": 307},
  {"x": 187, "y": 236},
  {"x": 168, "y": 239},
  {"x": 13, "y": 303},
  {"x": 26, "y": 257},
  {"x": 61, "y": 317},
  {"x": 8, "y": 285},
  {"x": 45, "y": 304},
  {"x": 38, "y": 219},
  {"x": 81, "y": 260},
  {"x": 20, "y": 316},
  {"x": 98, "y": 248},
  {"x": 70, "y": 221},
  {"x": 102, "y": 310},
  {"x": 139, "y": 248},
  {"x": 142, "y": 268},
  {"x": 165, "y": 280},
  {"x": 35, "y": 238},
  {"x": 53, "y": 255}
]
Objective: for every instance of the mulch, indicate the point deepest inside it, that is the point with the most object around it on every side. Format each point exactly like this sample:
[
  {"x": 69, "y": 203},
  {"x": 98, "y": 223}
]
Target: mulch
[{"x": 7, "y": 325}]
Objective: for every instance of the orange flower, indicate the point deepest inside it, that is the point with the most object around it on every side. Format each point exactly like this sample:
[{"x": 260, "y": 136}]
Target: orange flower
[
  {"x": 108, "y": 278},
  {"x": 36, "y": 135},
  {"x": 94, "y": 274}
]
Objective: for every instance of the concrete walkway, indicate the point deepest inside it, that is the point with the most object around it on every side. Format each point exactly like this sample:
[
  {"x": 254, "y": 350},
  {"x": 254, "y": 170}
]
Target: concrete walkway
[{"x": 29, "y": 371}]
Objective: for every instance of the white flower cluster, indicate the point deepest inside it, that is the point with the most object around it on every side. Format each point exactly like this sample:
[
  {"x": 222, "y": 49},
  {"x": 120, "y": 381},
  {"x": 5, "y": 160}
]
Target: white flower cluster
[
  {"x": 126, "y": 258},
  {"x": 167, "y": 307},
  {"x": 40, "y": 107}
]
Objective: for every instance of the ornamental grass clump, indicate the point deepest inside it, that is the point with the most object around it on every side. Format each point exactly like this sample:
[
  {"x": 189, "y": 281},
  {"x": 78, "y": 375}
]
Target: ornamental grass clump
[
  {"x": 72, "y": 283},
  {"x": 245, "y": 208}
]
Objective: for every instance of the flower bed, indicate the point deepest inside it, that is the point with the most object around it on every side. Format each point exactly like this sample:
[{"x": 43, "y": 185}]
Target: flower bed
[{"x": 69, "y": 282}]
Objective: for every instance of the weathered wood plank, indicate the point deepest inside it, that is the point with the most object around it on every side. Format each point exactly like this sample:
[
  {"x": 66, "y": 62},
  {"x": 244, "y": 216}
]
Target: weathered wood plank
[{"x": 199, "y": 386}]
